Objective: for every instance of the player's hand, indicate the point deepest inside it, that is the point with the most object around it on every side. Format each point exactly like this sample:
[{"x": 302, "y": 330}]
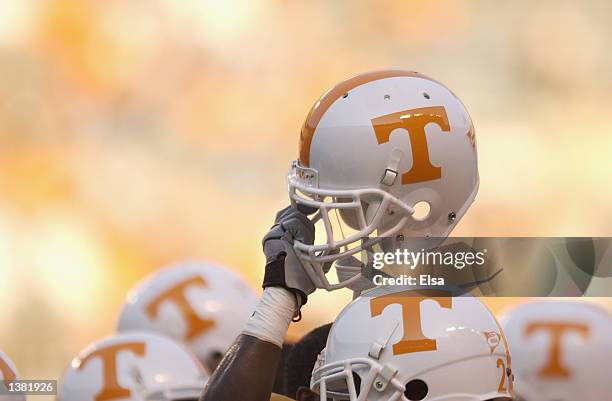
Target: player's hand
[{"x": 283, "y": 266}]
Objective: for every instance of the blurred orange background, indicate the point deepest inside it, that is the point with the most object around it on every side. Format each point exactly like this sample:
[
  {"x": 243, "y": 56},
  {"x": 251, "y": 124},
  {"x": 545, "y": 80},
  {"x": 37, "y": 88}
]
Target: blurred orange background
[{"x": 137, "y": 134}]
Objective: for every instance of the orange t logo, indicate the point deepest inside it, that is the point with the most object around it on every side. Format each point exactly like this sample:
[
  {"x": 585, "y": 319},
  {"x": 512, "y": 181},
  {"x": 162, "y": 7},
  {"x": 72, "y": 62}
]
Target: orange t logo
[
  {"x": 553, "y": 367},
  {"x": 111, "y": 389},
  {"x": 414, "y": 121},
  {"x": 413, "y": 340},
  {"x": 7, "y": 372},
  {"x": 176, "y": 294}
]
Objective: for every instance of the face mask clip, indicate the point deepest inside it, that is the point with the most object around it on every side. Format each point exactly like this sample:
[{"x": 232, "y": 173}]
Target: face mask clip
[{"x": 384, "y": 377}]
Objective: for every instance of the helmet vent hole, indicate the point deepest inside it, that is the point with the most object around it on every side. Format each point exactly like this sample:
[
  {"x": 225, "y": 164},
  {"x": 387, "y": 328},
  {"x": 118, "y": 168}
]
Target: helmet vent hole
[
  {"x": 421, "y": 210},
  {"x": 416, "y": 390},
  {"x": 426, "y": 95},
  {"x": 387, "y": 97}
]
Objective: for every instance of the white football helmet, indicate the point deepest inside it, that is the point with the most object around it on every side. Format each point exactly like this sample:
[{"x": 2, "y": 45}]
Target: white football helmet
[
  {"x": 561, "y": 350},
  {"x": 134, "y": 367},
  {"x": 392, "y": 344},
  {"x": 8, "y": 371},
  {"x": 393, "y": 154},
  {"x": 199, "y": 303}
]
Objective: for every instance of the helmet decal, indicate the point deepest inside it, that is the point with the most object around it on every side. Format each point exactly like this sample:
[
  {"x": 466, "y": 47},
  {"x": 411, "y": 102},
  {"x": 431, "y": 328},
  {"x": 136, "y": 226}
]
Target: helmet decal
[
  {"x": 554, "y": 367},
  {"x": 111, "y": 389},
  {"x": 414, "y": 122},
  {"x": 493, "y": 340},
  {"x": 413, "y": 339},
  {"x": 503, "y": 386},
  {"x": 176, "y": 294},
  {"x": 320, "y": 107}
]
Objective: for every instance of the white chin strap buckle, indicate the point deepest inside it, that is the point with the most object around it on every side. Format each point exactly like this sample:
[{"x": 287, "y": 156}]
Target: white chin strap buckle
[{"x": 391, "y": 172}]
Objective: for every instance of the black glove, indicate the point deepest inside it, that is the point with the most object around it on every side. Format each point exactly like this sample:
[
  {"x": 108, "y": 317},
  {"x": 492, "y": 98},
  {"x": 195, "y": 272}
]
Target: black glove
[{"x": 283, "y": 266}]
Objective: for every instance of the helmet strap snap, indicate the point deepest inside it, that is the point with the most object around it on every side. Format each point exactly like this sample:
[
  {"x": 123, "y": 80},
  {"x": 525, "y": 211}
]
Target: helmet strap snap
[{"x": 391, "y": 172}]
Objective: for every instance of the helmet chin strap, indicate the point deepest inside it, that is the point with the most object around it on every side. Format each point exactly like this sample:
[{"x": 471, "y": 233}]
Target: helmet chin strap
[{"x": 392, "y": 171}]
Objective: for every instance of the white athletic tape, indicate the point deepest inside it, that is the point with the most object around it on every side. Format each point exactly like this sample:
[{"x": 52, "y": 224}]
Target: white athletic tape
[{"x": 272, "y": 315}]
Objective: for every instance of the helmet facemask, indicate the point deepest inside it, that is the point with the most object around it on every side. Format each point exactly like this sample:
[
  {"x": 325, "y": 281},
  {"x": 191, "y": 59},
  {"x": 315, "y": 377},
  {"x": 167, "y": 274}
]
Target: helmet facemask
[
  {"x": 355, "y": 380},
  {"x": 364, "y": 379},
  {"x": 351, "y": 224},
  {"x": 349, "y": 219}
]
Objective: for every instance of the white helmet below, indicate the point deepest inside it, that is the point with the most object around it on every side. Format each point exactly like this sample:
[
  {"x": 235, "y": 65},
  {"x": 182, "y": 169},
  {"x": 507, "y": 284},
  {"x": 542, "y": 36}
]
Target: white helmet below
[
  {"x": 134, "y": 367},
  {"x": 198, "y": 303},
  {"x": 411, "y": 345},
  {"x": 8, "y": 372},
  {"x": 561, "y": 350},
  {"x": 392, "y": 154}
]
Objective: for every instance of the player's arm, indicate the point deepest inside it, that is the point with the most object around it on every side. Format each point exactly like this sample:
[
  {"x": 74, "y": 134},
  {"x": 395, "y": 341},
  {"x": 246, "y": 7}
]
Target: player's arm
[{"x": 248, "y": 369}]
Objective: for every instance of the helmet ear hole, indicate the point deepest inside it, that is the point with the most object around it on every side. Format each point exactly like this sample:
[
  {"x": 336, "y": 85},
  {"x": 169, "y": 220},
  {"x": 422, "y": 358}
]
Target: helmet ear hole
[
  {"x": 421, "y": 210},
  {"x": 416, "y": 390}
]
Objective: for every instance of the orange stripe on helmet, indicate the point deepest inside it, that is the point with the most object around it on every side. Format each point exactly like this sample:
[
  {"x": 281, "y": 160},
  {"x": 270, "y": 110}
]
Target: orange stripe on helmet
[
  {"x": 329, "y": 97},
  {"x": 7, "y": 372}
]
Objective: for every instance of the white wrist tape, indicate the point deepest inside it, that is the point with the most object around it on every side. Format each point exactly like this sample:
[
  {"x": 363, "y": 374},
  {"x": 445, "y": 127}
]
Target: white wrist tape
[{"x": 272, "y": 315}]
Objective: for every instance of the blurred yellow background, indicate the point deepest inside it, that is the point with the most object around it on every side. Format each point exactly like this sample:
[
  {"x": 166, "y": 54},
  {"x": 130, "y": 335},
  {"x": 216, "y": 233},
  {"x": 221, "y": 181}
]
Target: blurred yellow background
[{"x": 138, "y": 133}]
